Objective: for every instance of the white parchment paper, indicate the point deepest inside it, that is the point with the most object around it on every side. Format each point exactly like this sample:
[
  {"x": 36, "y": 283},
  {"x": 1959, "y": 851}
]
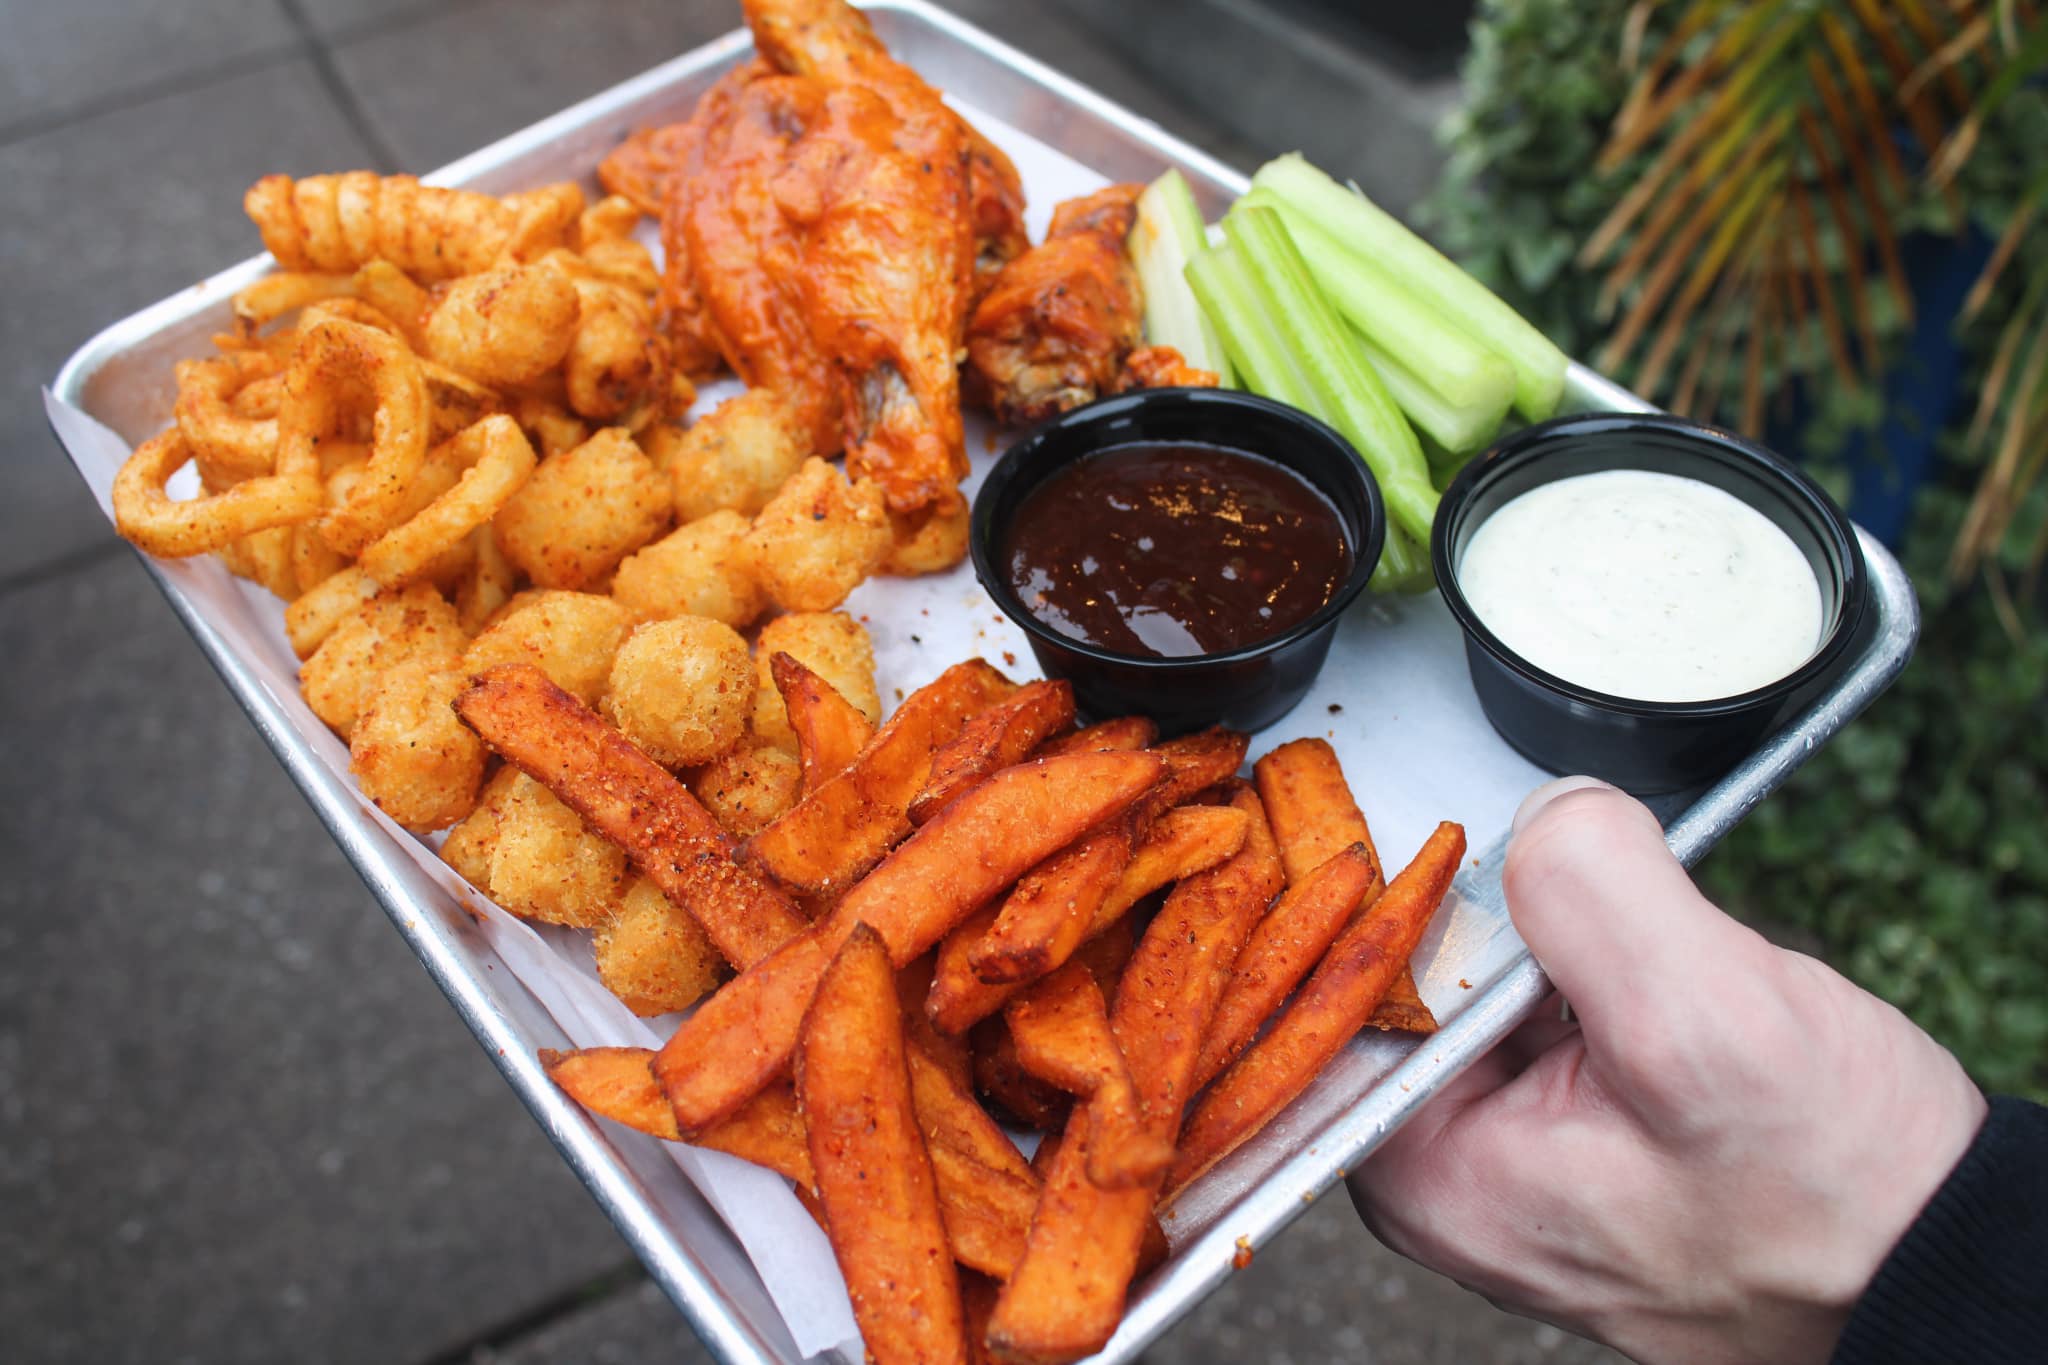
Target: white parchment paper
[{"x": 1394, "y": 700}]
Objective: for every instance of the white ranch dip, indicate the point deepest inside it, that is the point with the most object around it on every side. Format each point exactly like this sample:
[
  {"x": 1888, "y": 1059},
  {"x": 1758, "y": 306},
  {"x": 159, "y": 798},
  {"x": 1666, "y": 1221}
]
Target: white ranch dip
[{"x": 1648, "y": 586}]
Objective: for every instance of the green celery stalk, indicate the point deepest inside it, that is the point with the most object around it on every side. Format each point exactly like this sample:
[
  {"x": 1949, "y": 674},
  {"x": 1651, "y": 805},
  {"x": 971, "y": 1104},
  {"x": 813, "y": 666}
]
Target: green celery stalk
[
  {"x": 1229, "y": 296},
  {"x": 1166, "y": 235},
  {"x": 1342, "y": 386},
  {"x": 1403, "y": 566},
  {"x": 1454, "y": 387},
  {"x": 1370, "y": 231},
  {"x": 1459, "y": 431}
]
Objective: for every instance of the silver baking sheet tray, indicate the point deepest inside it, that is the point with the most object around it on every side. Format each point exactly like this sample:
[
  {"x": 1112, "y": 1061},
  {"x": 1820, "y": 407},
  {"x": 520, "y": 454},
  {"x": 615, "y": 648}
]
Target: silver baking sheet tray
[{"x": 122, "y": 378}]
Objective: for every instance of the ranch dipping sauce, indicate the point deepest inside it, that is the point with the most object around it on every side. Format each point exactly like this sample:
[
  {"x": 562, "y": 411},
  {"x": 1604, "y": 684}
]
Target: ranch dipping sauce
[
  {"x": 1175, "y": 549},
  {"x": 1647, "y": 586}
]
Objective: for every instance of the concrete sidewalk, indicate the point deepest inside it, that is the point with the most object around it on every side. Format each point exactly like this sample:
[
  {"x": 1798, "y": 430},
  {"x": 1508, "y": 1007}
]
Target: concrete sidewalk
[{"x": 237, "y": 1121}]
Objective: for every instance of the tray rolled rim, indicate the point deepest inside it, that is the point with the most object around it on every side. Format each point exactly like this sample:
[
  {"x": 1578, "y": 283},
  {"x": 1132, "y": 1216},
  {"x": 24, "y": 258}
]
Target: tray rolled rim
[{"x": 397, "y": 884}]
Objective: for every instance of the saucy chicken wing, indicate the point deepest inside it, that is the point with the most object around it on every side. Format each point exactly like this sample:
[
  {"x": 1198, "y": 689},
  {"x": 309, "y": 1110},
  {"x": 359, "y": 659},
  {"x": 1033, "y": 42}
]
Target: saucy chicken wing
[{"x": 1054, "y": 330}]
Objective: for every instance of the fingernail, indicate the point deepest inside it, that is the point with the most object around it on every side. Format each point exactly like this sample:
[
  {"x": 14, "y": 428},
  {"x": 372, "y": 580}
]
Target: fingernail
[{"x": 1549, "y": 792}]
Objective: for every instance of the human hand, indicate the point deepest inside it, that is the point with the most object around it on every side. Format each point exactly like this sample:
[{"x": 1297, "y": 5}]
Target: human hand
[{"x": 1711, "y": 1160}]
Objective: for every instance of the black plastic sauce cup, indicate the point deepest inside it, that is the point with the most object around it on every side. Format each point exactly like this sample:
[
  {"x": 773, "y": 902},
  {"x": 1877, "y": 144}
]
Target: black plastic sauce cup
[
  {"x": 1642, "y": 746},
  {"x": 1243, "y": 688}
]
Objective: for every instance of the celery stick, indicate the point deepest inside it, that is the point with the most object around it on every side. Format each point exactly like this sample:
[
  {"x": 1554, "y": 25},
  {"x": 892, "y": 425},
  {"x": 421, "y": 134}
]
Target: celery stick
[
  {"x": 1370, "y": 231},
  {"x": 1452, "y": 386},
  {"x": 1229, "y": 296},
  {"x": 1342, "y": 385},
  {"x": 1403, "y": 566},
  {"x": 1458, "y": 430},
  {"x": 1167, "y": 235}
]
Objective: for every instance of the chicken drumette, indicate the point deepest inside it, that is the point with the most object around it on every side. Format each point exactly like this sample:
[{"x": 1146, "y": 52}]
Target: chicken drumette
[{"x": 1061, "y": 325}]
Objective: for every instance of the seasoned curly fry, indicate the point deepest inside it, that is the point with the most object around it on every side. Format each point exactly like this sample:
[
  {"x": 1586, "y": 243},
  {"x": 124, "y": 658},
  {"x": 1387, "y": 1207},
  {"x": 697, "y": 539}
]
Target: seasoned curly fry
[
  {"x": 146, "y": 515},
  {"x": 287, "y": 291},
  {"x": 316, "y": 613},
  {"x": 501, "y": 464},
  {"x": 334, "y": 358},
  {"x": 228, "y": 447},
  {"x": 396, "y": 295},
  {"x": 338, "y": 222}
]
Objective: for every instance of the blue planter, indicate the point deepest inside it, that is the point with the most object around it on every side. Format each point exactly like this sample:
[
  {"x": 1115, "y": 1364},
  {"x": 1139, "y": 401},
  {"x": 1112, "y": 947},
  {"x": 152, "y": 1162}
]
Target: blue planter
[{"x": 1923, "y": 392}]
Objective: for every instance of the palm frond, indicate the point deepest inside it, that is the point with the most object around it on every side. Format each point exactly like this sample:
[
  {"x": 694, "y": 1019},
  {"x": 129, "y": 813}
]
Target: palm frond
[{"x": 1744, "y": 119}]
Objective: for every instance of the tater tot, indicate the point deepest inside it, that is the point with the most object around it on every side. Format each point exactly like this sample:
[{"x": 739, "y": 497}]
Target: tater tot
[
  {"x": 934, "y": 540},
  {"x": 702, "y": 569},
  {"x": 409, "y": 751},
  {"x": 570, "y": 636},
  {"x": 387, "y": 630},
  {"x": 545, "y": 864},
  {"x": 468, "y": 846},
  {"x": 583, "y": 511},
  {"x": 746, "y": 788},
  {"x": 681, "y": 689},
  {"x": 819, "y": 537},
  {"x": 504, "y": 326},
  {"x": 737, "y": 456},
  {"x": 653, "y": 955},
  {"x": 832, "y": 645}
]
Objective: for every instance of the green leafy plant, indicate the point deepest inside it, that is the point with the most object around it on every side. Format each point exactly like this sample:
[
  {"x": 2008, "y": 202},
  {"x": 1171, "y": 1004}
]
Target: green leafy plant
[{"x": 1910, "y": 850}]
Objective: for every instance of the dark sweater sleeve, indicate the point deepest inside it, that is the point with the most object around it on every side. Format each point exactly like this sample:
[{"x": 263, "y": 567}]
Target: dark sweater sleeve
[{"x": 1969, "y": 1280}]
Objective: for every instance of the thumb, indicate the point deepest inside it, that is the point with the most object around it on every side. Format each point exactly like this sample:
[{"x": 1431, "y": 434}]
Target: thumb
[{"x": 1613, "y": 918}]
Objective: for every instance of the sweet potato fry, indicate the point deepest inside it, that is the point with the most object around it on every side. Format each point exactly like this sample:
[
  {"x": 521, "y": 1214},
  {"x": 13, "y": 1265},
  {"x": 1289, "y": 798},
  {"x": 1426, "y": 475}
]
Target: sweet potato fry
[
  {"x": 843, "y": 827},
  {"x": 615, "y": 1083},
  {"x": 830, "y": 730},
  {"x": 874, "y": 1174},
  {"x": 1000, "y": 1076},
  {"x": 618, "y": 1083},
  {"x": 767, "y": 1130},
  {"x": 1334, "y": 1005},
  {"x": 986, "y": 1189},
  {"x": 1283, "y": 948},
  {"x": 1000, "y": 736},
  {"x": 633, "y": 801},
  {"x": 1052, "y": 906},
  {"x": 913, "y": 984},
  {"x": 1053, "y": 909},
  {"x": 1180, "y": 843},
  {"x": 1315, "y": 817},
  {"x": 741, "y": 1038},
  {"x": 1124, "y": 732},
  {"x": 1060, "y": 1028},
  {"x": 1067, "y": 1295},
  {"x": 1199, "y": 761}
]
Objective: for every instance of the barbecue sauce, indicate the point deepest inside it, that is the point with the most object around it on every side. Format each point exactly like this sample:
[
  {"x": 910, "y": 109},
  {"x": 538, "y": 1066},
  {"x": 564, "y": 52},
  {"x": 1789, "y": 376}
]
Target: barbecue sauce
[{"x": 1171, "y": 550}]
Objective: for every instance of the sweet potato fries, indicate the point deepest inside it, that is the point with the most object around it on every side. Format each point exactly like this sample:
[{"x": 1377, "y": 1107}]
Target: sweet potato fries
[{"x": 968, "y": 891}]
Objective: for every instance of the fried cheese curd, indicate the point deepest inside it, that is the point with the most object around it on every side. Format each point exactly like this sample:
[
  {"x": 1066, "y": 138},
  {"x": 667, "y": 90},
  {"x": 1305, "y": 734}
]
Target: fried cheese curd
[
  {"x": 681, "y": 689},
  {"x": 819, "y": 537},
  {"x": 389, "y": 629},
  {"x": 534, "y": 856},
  {"x": 570, "y": 636},
  {"x": 736, "y": 457},
  {"x": 653, "y": 955},
  {"x": 832, "y": 645},
  {"x": 506, "y": 326},
  {"x": 748, "y": 786},
  {"x": 583, "y": 511},
  {"x": 409, "y": 751},
  {"x": 704, "y": 568}
]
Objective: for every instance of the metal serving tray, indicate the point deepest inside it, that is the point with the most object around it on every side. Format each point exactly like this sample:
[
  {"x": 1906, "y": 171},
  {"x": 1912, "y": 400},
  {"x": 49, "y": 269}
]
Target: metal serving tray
[{"x": 123, "y": 377}]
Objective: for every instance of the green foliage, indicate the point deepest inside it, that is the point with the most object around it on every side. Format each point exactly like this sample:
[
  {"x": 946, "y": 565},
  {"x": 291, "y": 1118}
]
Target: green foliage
[{"x": 1915, "y": 847}]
